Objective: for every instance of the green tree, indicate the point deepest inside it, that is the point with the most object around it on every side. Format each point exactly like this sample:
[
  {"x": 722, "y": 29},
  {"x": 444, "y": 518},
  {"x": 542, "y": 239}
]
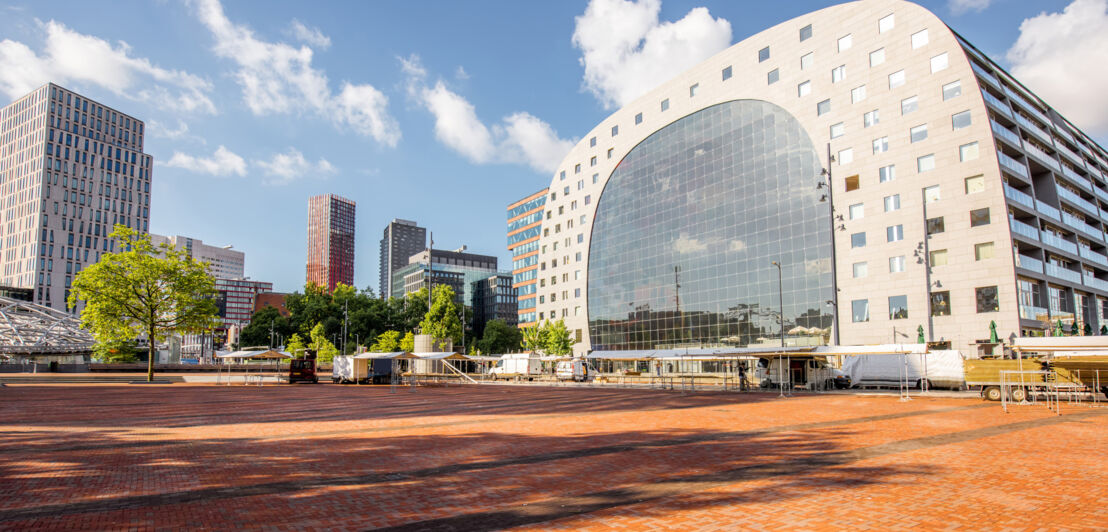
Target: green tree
[
  {"x": 557, "y": 340},
  {"x": 387, "y": 342},
  {"x": 407, "y": 343},
  {"x": 295, "y": 346},
  {"x": 534, "y": 338},
  {"x": 442, "y": 321},
  {"x": 325, "y": 351},
  {"x": 115, "y": 352},
  {"x": 258, "y": 332},
  {"x": 143, "y": 289},
  {"x": 500, "y": 338}
]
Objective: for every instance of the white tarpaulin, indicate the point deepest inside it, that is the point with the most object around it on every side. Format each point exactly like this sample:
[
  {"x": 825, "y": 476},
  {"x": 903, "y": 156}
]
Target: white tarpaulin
[{"x": 940, "y": 368}]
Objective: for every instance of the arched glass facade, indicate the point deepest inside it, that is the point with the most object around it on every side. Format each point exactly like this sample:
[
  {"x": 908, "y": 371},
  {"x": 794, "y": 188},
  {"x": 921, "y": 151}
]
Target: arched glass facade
[{"x": 718, "y": 195}]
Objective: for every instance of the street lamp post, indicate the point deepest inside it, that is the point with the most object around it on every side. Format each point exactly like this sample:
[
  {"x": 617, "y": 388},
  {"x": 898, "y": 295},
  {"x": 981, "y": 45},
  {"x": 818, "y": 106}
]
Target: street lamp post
[
  {"x": 781, "y": 306},
  {"x": 834, "y": 273}
]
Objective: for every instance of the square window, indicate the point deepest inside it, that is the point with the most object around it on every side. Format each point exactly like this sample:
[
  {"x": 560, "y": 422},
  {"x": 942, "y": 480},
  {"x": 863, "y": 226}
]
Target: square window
[
  {"x": 898, "y": 307},
  {"x": 978, "y": 217},
  {"x": 858, "y": 94},
  {"x": 773, "y": 76},
  {"x": 940, "y": 303},
  {"x": 857, "y": 211},
  {"x": 909, "y": 105},
  {"x": 896, "y": 264},
  {"x": 938, "y": 257},
  {"x": 852, "y": 183},
  {"x": 925, "y": 163},
  {"x": 919, "y": 39},
  {"x": 615, "y": 130},
  {"x": 860, "y": 310},
  {"x": 896, "y": 79},
  {"x": 952, "y": 90},
  {"x": 846, "y": 42},
  {"x": 858, "y": 240},
  {"x": 803, "y": 89},
  {"x": 592, "y": 142},
  {"x": 939, "y": 62},
  {"x": 935, "y": 225},
  {"x": 887, "y": 173},
  {"x": 693, "y": 89},
  {"x": 665, "y": 104},
  {"x": 975, "y": 184},
  {"x": 846, "y": 156},
  {"x": 861, "y": 269},
  {"x": 983, "y": 251},
  {"x": 881, "y": 145},
  {"x": 918, "y": 133},
  {"x": 961, "y": 120},
  {"x": 806, "y": 60},
  {"x": 894, "y": 233},
  {"x": 838, "y": 130},
  {"x": 805, "y": 33},
  {"x": 823, "y": 107},
  {"x": 931, "y": 194},
  {"x": 987, "y": 300},
  {"x": 968, "y": 152},
  {"x": 838, "y": 73},
  {"x": 871, "y": 118},
  {"x": 727, "y": 73},
  {"x": 763, "y": 54},
  {"x": 892, "y": 203},
  {"x": 876, "y": 57},
  {"x": 638, "y": 117},
  {"x": 886, "y": 23}
]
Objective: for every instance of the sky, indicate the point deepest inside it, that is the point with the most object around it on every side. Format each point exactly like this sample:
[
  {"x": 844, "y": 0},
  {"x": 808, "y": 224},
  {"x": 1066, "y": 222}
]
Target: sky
[{"x": 438, "y": 112}]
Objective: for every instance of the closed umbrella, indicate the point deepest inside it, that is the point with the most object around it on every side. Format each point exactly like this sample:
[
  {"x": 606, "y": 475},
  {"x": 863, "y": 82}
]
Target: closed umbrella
[
  {"x": 920, "y": 340},
  {"x": 992, "y": 333}
]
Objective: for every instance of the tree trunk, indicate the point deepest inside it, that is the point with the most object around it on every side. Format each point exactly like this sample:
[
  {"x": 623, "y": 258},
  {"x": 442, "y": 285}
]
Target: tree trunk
[{"x": 150, "y": 357}]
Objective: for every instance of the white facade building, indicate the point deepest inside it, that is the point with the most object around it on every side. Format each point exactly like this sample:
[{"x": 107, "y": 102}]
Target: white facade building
[{"x": 224, "y": 262}]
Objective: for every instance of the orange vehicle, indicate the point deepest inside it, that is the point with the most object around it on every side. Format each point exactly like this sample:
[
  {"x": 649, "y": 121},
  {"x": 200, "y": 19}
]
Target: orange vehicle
[{"x": 303, "y": 369}]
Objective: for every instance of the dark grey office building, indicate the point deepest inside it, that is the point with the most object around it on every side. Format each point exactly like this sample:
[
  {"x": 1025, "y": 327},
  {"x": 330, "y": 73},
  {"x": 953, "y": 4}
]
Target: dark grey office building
[
  {"x": 401, "y": 240},
  {"x": 494, "y": 298}
]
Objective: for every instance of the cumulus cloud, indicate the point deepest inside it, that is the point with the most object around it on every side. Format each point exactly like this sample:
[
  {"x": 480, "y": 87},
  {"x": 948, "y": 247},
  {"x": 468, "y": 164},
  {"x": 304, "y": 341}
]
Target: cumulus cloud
[
  {"x": 684, "y": 244},
  {"x": 959, "y": 7},
  {"x": 308, "y": 35},
  {"x": 278, "y": 78},
  {"x": 519, "y": 138},
  {"x": 626, "y": 51},
  {"x": 291, "y": 165},
  {"x": 222, "y": 163},
  {"x": 71, "y": 57},
  {"x": 1052, "y": 57}
]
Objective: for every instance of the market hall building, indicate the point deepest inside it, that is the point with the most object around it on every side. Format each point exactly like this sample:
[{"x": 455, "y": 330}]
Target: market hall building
[{"x": 901, "y": 180}]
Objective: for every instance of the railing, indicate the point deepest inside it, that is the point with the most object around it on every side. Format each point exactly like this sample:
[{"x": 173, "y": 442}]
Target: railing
[
  {"x": 1015, "y": 166},
  {"x": 1100, "y": 193},
  {"x": 1034, "y": 128},
  {"x": 1023, "y": 229},
  {"x": 1103, "y": 213},
  {"x": 1064, "y": 134},
  {"x": 1080, "y": 179},
  {"x": 1077, "y": 200},
  {"x": 1051, "y": 239},
  {"x": 995, "y": 102},
  {"x": 1076, "y": 159},
  {"x": 1007, "y": 134},
  {"x": 1062, "y": 273},
  {"x": 1093, "y": 282},
  {"x": 1080, "y": 225},
  {"x": 1043, "y": 156},
  {"x": 984, "y": 74},
  {"x": 1028, "y": 263},
  {"x": 1047, "y": 210},
  {"x": 1016, "y": 97},
  {"x": 1092, "y": 256},
  {"x": 1031, "y": 312},
  {"x": 1019, "y": 197}
]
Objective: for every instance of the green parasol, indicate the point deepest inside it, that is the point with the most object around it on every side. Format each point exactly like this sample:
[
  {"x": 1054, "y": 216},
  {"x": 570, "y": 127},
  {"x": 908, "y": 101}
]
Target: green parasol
[
  {"x": 1088, "y": 330},
  {"x": 1058, "y": 329},
  {"x": 919, "y": 339},
  {"x": 1073, "y": 328},
  {"x": 993, "y": 339}
]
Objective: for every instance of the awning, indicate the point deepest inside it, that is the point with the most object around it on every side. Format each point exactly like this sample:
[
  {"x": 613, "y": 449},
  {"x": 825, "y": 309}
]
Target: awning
[
  {"x": 440, "y": 356},
  {"x": 268, "y": 354},
  {"x": 707, "y": 353},
  {"x": 881, "y": 349},
  {"x": 395, "y": 355},
  {"x": 1053, "y": 344}
]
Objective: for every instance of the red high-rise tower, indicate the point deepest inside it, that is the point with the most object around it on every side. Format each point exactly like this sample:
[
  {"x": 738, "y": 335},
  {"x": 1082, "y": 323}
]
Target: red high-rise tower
[{"x": 330, "y": 241}]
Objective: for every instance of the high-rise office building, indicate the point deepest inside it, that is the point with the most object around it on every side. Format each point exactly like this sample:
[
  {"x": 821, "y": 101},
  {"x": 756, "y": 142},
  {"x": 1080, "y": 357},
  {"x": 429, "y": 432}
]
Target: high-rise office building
[
  {"x": 330, "y": 241},
  {"x": 238, "y": 299},
  {"x": 71, "y": 168},
  {"x": 401, "y": 240},
  {"x": 223, "y": 262},
  {"x": 524, "y": 229}
]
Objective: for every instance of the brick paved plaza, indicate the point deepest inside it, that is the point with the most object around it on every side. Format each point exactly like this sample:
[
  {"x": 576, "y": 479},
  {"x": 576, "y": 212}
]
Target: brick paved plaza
[{"x": 486, "y": 457}]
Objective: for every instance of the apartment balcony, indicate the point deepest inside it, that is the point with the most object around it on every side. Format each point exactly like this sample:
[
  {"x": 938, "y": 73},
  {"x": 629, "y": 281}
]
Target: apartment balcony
[
  {"x": 1007, "y": 134},
  {"x": 983, "y": 74},
  {"x": 1051, "y": 239},
  {"x": 1074, "y": 157},
  {"x": 1042, "y": 156},
  {"x": 1065, "y": 134},
  {"x": 1094, "y": 283},
  {"x": 1024, "y": 230},
  {"x": 1048, "y": 211},
  {"x": 1076, "y": 177},
  {"x": 1102, "y": 194},
  {"x": 1025, "y": 105},
  {"x": 1028, "y": 263},
  {"x": 1062, "y": 273},
  {"x": 1034, "y": 128},
  {"x": 1092, "y": 256},
  {"x": 1013, "y": 165},
  {"x": 1078, "y": 201},
  {"x": 1019, "y": 197},
  {"x": 1080, "y": 225}
]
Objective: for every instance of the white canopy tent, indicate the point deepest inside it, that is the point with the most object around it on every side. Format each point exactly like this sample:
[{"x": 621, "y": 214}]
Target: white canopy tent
[{"x": 243, "y": 355}]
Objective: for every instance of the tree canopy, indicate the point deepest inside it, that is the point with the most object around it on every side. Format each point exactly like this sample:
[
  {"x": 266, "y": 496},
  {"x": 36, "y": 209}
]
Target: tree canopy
[
  {"x": 442, "y": 321},
  {"x": 548, "y": 338},
  {"x": 500, "y": 338}
]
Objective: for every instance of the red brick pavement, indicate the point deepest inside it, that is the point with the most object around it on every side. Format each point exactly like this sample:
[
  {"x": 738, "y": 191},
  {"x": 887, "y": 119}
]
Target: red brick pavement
[{"x": 467, "y": 458}]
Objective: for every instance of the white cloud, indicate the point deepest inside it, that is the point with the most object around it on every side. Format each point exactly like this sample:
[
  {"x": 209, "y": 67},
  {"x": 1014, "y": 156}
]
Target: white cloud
[
  {"x": 626, "y": 51},
  {"x": 959, "y": 7},
  {"x": 291, "y": 165},
  {"x": 1053, "y": 56},
  {"x": 308, "y": 35},
  {"x": 519, "y": 138},
  {"x": 684, "y": 244},
  {"x": 277, "y": 78},
  {"x": 223, "y": 162},
  {"x": 71, "y": 57}
]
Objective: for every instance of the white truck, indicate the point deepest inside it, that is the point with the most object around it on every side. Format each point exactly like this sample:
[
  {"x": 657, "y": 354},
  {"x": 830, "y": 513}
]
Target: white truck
[
  {"x": 574, "y": 370},
  {"x": 516, "y": 366},
  {"x": 940, "y": 368}
]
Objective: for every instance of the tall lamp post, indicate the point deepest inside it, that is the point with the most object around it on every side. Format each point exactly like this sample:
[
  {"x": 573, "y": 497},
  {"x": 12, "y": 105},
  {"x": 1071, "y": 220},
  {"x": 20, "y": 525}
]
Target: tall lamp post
[
  {"x": 830, "y": 198},
  {"x": 781, "y": 306}
]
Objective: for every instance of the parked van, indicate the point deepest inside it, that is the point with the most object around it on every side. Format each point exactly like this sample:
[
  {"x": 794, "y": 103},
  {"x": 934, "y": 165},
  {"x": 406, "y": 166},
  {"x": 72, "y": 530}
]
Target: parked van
[
  {"x": 517, "y": 365},
  {"x": 577, "y": 370}
]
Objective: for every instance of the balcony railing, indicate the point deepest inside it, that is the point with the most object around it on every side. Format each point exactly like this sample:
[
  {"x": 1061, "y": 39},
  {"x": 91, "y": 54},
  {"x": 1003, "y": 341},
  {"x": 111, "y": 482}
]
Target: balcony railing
[
  {"x": 1051, "y": 239},
  {"x": 1047, "y": 210},
  {"x": 1019, "y": 197},
  {"x": 1076, "y": 177},
  {"x": 1075, "y": 158},
  {"x": 985, "y": 75},
  {"x": 1102, "y": 194},
  {"x": 1030, "y": 312},
  {"x": 1006, "y": 134},
  {"x": 1026, "y": 106},
  {"x": 1023, "y": 229},
  {"x": 1092, "y": 256},
  {"x": 1093, "y": 282},
  {"x": 1013, "y": 165},
  {"x": 1062, "y": 273},
  {"x": 1031, "y": 126},
  {"x": 1080, "y": 225},
  {"x": 1065, "y": 134},
  {"x": 1077, "y": 200},
  {"x": 1043, "y": 156},
  {"x": 1028, "y": 263}
]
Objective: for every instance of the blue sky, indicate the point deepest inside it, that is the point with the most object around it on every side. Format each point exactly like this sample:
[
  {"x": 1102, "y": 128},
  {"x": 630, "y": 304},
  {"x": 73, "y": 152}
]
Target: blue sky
[{"x": 440, "y": 112}]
